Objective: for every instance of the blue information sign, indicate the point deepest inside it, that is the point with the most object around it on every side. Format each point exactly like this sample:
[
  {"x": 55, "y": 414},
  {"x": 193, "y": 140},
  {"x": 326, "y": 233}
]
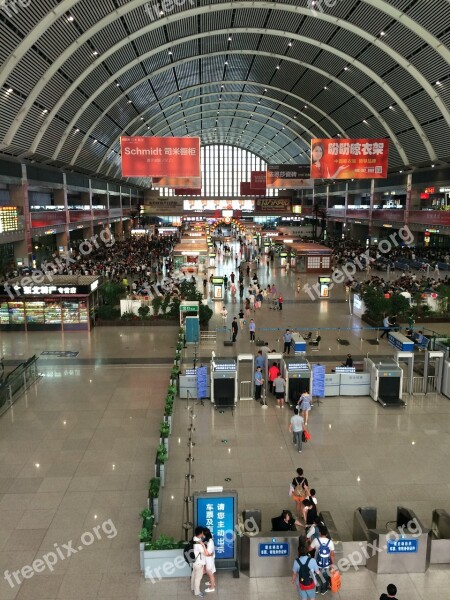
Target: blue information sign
[
  {"x": 318, "y": 381},
  {"x": 402, "y": 546},
  {"x": 273, "y": 549},
  {"x": 217, "y": 513}
]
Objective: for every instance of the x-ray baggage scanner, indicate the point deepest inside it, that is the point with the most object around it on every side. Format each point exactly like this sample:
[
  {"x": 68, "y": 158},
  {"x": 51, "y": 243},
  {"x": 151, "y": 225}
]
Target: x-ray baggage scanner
[
  {"x": 297, "y": 372},
  {"x": 223, "y": 382},
  {"x": 386, "y": 382}
]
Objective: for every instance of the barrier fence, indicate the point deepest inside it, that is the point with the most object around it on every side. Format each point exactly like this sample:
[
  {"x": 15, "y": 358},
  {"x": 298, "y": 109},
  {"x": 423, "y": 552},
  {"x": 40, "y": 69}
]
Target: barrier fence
[{"x": 17, "y": 382}]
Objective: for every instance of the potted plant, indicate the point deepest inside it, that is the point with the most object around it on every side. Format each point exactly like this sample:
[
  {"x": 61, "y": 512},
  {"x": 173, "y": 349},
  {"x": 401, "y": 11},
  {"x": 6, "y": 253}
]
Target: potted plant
[
  {"x": 161, "y": 458},
  {"x": 144, "y": 311},
  {"x": 164, "y": 432},
  {"x": 164, "y": 558},
  {"x": 156, "y": 305},
  {"x": 174, "y": 373},
  {"x": 153, "y": 496}
]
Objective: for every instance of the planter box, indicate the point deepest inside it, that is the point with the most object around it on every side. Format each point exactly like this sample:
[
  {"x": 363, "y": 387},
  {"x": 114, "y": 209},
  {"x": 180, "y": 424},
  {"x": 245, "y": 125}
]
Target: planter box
[
  {"x": 164, "y": 564},
  {"x": 160, "y": 471},
  {"x": 165, "y": 441},
  {"x": 152, "y": 322},
  {"x": 169, "y": 419}
]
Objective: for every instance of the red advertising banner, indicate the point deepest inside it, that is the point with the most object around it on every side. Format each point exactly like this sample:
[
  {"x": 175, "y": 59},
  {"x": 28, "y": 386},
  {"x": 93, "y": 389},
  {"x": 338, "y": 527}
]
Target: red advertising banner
[
  {"x": 178, "y": 182},
  {"x": 361, "y": 158},
  {"x": 188, "y": 192},
  {"x": 258, "y": 180},
  {"x": 246, "y": 188},
  {"x": 290, "y": 177},
  {"x": 144, "y": 156}
]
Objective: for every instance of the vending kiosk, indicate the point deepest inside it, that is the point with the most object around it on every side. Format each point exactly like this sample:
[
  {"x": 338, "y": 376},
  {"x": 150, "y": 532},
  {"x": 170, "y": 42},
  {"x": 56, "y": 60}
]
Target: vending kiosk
[
  {"x": 324, "y": 286},
  {"x": 217, "y": 283},
  {"x": 212, "y": 260},
  {"x": 386, "y": 382},
  {"x": 298, "y": 378},
  {"x": 284, "y": 259},
  {"x": 223, "y": 382}
]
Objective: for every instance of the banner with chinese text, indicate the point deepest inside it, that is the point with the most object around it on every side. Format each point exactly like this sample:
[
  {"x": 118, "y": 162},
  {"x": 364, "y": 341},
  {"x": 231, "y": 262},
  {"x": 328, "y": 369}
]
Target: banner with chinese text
[
  {"x": 274, "y": 205},
  {"x": 144, "y": 156},
  {"x": 362, "y": 158},
  {"x": 290, "y": 177},
  {"x": 258, "y": 181}
]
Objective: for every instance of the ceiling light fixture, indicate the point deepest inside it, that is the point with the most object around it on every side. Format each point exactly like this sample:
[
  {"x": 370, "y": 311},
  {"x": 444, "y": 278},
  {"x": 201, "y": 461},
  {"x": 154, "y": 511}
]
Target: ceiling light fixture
[
  {"x": 95, "y": 53},
  {"x": 277, "y": 67},
  {"x": 382, "y": 33},
  {"x": 70, "y": 18}
]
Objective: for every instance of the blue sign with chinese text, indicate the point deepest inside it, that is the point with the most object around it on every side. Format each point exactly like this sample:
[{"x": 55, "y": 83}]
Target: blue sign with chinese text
[
  {"x": 217, "y": 513},
  {"x": 273, "y": 549},
  {"x": 402, "y": 546}
]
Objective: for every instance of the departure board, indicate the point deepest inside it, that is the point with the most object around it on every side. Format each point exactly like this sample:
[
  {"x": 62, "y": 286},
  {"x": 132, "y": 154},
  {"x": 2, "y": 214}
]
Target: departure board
[{"x": 8, "y": 218}]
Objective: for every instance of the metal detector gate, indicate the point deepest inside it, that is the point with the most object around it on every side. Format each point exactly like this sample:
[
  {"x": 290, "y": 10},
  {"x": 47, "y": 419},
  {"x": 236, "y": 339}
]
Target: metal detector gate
[
  {"x": 245, "y": 374},
  {"x": 408, "y": 359},
  {"x": 432, "y": 373},
  {"x": 271, "y": 357},
  {"x": 297, "y": 372}
]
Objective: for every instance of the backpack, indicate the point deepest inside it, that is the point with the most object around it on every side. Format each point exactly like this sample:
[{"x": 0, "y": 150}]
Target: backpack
[
  {"x": 304, "y": 574},
  {"x": 324, "y": 555},
  {"x": 188, "y": 553}
]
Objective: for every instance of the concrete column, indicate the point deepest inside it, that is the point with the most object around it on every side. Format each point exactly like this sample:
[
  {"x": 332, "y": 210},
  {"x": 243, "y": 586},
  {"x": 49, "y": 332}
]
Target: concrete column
[
  {"x": 372, "y": 195},
  {"x": 19, "y": 198},
  {"x": 408, "y": 198}
]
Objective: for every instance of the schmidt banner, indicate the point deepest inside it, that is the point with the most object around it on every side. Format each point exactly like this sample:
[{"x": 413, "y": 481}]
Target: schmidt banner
[{"x": 174, "y": 157}]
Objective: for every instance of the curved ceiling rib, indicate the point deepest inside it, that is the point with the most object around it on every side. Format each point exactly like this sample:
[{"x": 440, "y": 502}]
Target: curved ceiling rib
[
  {"x": 243, "y": 82},
  {"x": 374, "y": 112},
  {"x": 381, "y": 5},
  {"x": 139, "y": 118}
]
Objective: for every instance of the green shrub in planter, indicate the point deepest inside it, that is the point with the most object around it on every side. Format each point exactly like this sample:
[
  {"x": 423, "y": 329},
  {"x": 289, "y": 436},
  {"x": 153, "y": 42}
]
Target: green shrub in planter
[
  {"x": 164, "y": 430},
  {"x": 172, "y": 390},
  {"x": 145, "y": 536},
  {"x": 148, "y": 519},
  {"x": 174, "y": 372},
  {"x": 164, "y": 543},
  {"x": 143, "y": 311},
  {"x": 177, "y": 356},
  {"x": 108, "y": 312},
  {"x": 161, "y": 454},
  {"x": 154, "y": 487},
  {"x": 168, "y": 409}
]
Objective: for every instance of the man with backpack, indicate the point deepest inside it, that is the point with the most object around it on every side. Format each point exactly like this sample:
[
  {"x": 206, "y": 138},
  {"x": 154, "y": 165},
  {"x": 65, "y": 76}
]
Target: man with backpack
[
  {"x": 303, "y": 572},
  {"x": 194, "y": 554},
  {"x": 324, "y": 547}
]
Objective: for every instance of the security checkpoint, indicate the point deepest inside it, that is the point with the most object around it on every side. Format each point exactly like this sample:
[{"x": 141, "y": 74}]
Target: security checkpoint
[
  {"x": 386, "y": 382},
  {"x": 245, "y": 374},
  {"x": 297, "y": 372},
  {"x": 223, "y": 374}
]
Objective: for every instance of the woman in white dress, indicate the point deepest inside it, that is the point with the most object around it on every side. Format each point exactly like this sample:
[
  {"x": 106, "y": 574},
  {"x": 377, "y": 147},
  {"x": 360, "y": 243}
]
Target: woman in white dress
[{"x": 210, "y": 566}]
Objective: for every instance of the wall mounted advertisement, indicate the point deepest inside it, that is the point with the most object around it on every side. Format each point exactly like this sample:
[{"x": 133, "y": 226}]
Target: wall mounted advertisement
[
  {"x": 361, "y": 158},
  {"x": 217, "y": 204}
]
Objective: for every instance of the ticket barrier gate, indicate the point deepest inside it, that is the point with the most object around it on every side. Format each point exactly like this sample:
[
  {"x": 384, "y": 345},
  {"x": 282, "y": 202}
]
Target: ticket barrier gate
[
  {"x": 408, "y": 359},
  {"x": 271, "y": 554},
  {"x": 386, "y": 382},
  {"x": 223, "y": 373},
  {"x": 446, "y": 379},
  {"x": 406, "y": 547},
  {"x": 298, "y": 375},
  {"x": 440, "y": 537}
]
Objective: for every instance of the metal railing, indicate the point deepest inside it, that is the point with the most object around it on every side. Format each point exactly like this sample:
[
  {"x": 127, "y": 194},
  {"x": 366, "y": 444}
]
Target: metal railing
[
  {"x": 246, "y": 390},
  {"x": 208, "y": 337},
  {"x": 17, "y": 382}
]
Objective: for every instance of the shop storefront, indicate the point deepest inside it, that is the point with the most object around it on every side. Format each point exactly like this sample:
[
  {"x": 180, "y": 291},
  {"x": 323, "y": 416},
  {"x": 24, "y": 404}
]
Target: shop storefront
[
  {"x": 311, "y": 258},
  {"x": 190, "y": 255},
  {"x": 64, "y": 302}
]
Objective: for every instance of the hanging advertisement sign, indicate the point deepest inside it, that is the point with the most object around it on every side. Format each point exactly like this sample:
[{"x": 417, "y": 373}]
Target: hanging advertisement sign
[
  {"x": 188, "y": 191},
  {"x": 258, "y": 181},
  {"x": 178, "y": 182},
  {"x": 361, "y": 158},
  {"x": 144, "y": 156},
  {"x": 163, "y": 206},
  {"x": 290, "y": 177}
]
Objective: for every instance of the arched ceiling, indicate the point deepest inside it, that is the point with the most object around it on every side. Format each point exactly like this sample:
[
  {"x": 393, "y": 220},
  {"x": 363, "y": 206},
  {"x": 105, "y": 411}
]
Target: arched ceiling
[{"x": 76, "y": 75}]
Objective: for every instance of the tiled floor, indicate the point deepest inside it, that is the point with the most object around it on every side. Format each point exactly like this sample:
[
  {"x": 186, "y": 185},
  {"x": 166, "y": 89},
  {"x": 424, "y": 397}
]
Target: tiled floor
[{"x": 93, "y": 432}]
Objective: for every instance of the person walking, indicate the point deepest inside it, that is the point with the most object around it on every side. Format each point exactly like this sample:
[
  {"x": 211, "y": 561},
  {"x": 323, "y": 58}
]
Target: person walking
[
  {"x": 247, "y": 308},
  {"x": 225, "y": 282},
  {"x": 303, "y": 572},
  {"x": 324, "y": 547},
  {"x": 299, "y": 490},
  {"x": 273, "y": 374},
  {"x": 241, "y": 290},
  {"x": 259, "y": 381},
  {"x": 210, "y": 566},
  {"x": 391, "y": 593},
  {"x": 304, "y": 404},
  {"x": 287, "y": 338},
  {"x": 280, "y": 302},
  {"x": 252, "y": 329},
  {"x": 241, "y": 319},
  {"x": 199, "y": 562},
  {"x": 224, "y": 314},
  {"x": 234, "y": 329},
  {"x": 296, "y": 428},
  {"x": 279, "y": 387},
  {"x": 386, "y": 325}
]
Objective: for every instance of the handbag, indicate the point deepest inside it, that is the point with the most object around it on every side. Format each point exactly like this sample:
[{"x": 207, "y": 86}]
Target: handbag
[
  {"x": 335, "y": 580},
  {"x": 304, "y": 438},
  {"x": 307, "y": 435}
]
